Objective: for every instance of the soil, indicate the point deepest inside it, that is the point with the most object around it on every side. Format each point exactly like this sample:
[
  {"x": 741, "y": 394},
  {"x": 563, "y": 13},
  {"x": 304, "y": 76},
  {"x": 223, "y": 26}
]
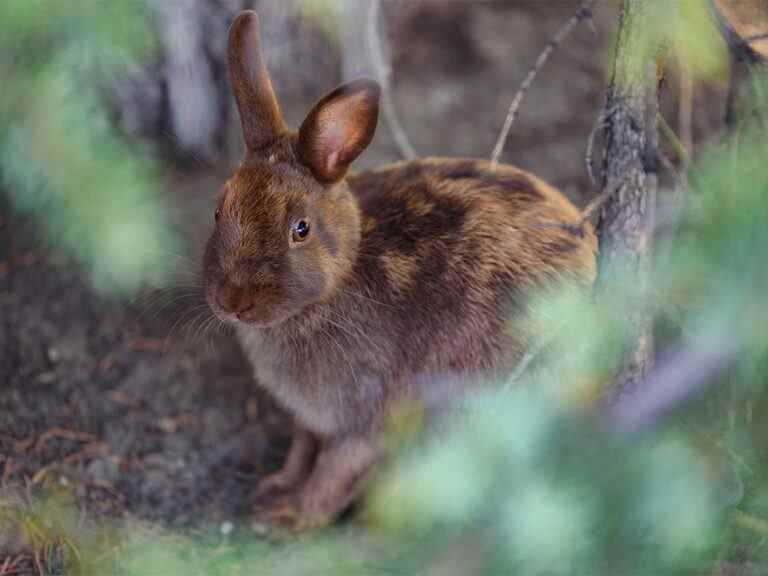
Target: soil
[{"x": 138, "y": 415}]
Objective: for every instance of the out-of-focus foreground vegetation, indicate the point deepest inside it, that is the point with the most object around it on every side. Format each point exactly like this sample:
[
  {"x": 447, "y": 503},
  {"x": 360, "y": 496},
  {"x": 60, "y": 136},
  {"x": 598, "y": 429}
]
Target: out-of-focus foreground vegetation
[
  {"x": 61, "y": 159},
  {"x": 540, "y": 478}
]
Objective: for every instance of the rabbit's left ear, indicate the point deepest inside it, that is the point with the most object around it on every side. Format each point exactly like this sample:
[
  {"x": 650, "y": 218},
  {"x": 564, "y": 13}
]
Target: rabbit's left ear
[
  {"x": 338, "y": 129},
  {"x": 260, "y": 113}
]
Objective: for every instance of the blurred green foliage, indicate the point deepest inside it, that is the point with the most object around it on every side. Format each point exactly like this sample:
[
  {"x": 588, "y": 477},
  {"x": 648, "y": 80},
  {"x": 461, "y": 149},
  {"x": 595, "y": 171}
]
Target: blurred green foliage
[
  {"x": 61, "y": 158},
  {"x": 326, "y": 14},
  {"x": 682, "y": 31}
]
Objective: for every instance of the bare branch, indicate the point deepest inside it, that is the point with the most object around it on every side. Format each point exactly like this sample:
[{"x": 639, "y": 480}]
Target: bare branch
[
  {"x": 383, "y": 76},
  {"x": 584, "y": 12},
  {"x": 535, "y": 351},
  {"x": 672, "y": 169},
  {"x": 673, "y": 140},
  {"x": 599, "y": 201},
  {"x": 598, "y": 125}
]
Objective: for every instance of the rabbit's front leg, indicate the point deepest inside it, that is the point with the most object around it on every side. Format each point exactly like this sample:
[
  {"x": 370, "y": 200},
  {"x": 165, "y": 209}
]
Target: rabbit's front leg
[
  {"x": 337, "y": 478},
  {"x": 296, "y": 467},
  {"x": 340, "y": 469}
]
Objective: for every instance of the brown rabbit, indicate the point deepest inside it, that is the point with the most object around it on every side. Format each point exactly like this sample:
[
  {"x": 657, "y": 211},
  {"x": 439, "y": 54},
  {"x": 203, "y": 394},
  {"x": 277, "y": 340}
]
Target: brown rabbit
[{"x": 349, "y": 293}]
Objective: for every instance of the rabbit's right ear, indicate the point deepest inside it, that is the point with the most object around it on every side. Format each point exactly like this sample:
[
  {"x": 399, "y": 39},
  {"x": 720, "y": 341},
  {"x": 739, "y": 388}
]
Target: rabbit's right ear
[
  {"x": 260, "y": 113},
  {"x": 339, "y": 128}
]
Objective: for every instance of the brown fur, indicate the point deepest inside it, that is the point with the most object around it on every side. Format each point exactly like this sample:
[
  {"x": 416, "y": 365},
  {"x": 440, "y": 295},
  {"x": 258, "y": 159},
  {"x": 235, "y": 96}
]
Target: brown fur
[{"x": 409, "y": 272}]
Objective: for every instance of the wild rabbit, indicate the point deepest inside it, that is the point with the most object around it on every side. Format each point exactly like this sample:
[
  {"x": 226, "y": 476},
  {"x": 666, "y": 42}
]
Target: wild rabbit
[{"x": 349, "y": 293}]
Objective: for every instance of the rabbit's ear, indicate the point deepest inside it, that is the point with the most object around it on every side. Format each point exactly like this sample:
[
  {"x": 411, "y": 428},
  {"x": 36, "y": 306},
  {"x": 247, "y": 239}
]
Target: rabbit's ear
[
  {"x": 339, "y": 128},
  {"x": 260, "y": 113}
]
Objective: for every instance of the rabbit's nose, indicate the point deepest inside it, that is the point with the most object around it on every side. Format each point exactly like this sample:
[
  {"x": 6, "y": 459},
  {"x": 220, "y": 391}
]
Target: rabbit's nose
[{"x": 234, "y": 300}]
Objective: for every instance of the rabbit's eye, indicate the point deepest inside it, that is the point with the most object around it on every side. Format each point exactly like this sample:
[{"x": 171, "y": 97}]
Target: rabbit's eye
[
  {"x": 217, "y": 215},
  {"x": 300, "y": 231}
]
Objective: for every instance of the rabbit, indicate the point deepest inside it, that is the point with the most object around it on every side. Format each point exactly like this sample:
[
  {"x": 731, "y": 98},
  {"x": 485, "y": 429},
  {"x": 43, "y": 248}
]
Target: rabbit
[{"x": 349, "y": 292}]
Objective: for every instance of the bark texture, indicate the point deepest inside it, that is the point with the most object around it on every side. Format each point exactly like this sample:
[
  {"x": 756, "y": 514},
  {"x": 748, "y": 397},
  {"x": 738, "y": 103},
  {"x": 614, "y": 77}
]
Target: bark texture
[{"x": 625, "y": 223}]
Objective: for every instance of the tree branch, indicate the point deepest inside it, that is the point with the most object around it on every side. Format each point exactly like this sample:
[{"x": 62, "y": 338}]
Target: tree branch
[
  {"x": 628, "y": 199},
  {"x": 584, "y": 12},
  {"x": 383, "y": 76}
]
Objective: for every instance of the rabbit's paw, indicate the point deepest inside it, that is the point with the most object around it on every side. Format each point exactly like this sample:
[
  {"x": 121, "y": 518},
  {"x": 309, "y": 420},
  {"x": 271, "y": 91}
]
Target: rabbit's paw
[{"x": 281, "y": 515}]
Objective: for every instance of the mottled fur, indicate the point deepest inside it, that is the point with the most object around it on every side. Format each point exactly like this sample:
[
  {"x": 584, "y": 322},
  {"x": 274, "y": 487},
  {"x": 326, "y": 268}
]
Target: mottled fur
[
  {"x": 416, "y": 269},
  {"x": 431, "y": 291}
]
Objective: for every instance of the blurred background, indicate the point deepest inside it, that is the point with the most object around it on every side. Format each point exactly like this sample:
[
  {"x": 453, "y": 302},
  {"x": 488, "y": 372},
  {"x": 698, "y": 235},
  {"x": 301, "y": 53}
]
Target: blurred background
[
  {"x": 130, "y": 428},
  {"x": 453, "y": 67}
]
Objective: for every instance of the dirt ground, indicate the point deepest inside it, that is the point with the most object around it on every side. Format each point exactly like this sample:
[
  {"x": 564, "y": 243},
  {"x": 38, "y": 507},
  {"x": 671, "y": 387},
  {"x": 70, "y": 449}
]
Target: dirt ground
[
  {"x": 144, "y": 418},
  {"x": 136, "y": 415}
]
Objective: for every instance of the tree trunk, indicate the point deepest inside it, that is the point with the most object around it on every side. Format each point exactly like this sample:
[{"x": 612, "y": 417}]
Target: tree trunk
[{"x": 625, "y": 222}]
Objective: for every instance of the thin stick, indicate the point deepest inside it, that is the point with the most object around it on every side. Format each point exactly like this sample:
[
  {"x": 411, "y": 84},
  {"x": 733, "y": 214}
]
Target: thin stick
[
  {"x": 584, "y": 12},
  {"x": 531, "y": 355},
  {"x": 577, "y": 228},
  {"x": 383, "y": 72},
  {"x": 600, "y": 124},
  {"x": 669, "y": 135},
  {"x": 598, "y": 202}
]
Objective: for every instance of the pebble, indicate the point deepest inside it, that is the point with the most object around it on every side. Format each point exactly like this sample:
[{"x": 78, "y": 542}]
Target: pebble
[
  {"x": 53, "y": 354},
  {"x": 46, "y": 377},
  {"x": 226, "y": 528}
]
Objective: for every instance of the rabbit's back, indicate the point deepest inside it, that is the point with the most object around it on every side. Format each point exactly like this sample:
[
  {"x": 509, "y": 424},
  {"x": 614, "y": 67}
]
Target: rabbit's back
[{"x": 458, "y": 249}]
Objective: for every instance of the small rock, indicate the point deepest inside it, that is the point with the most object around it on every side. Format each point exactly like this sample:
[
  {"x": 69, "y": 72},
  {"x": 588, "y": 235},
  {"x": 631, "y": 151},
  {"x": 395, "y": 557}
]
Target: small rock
[
  {"x": 168, "y": 425},
  {"x": 53, "y": 354},
  {"x": 105, "y": 469},
  {"x": 226, "y": 528},
  {"x": 260, "y": 528},
  {"x": 46, "y": 377}
]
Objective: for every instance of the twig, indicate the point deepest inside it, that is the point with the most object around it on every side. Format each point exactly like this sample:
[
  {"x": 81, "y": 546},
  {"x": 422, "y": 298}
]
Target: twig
[
  {"x": 600, "y": 124},
  {"x": 39, "y": 564},
  {"x": 671, "y": 168},
  {"x": 13, "y": 566},
  {"x": 673, "y": 140},
  {"x": 383, "y": 73},
  {"x": 680, "y": 176},
  {"x": 598, "y": 202},
  {"x": 584, "y": 12},
  {"x": 73, "y": 435},
  {"x": 531, "y": 355},
  {"x": 577, "y": 228}
]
